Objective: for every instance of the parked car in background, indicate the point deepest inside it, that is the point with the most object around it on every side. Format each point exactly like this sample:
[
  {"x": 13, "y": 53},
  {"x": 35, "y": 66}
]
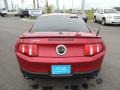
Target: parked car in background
[
  {"x": 60, "y": 45},
  {"x": 11, "y": 12},
  {"x": 83, "y": 16},
  {"x": 24, "y": 13},
  {"x": 17, "y": 13},
  {"x": 79, "y": 13},
  {"x": 3, "y": 12},
  {"x": 28, "y": 12},
  {"x": 35, "y": 12},
  {"x": 107, "y": 16}
]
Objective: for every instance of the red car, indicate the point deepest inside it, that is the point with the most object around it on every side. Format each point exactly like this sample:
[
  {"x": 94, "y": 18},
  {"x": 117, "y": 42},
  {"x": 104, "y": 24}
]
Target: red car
[{"x": 59, "y": 45}]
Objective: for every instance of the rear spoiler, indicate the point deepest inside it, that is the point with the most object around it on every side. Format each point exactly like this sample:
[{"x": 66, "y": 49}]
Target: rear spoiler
[{"x": 60, "y": 37}]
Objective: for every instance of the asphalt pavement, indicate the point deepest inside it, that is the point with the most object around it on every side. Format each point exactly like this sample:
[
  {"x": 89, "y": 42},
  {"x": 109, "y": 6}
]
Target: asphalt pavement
[{"x": 11, "y": 78}]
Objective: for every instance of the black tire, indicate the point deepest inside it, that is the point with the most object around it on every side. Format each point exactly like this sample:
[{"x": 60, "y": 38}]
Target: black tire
[
  {"x": 103, "y": 21},
  {"x": 22, "y": 16},
  {"x": 5, "y": 15},
  {"x": 94, "y": 20}
]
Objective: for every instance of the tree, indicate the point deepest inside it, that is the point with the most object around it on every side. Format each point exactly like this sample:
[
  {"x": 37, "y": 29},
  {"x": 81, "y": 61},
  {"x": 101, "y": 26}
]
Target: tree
[{"x": 50, "y": 8}]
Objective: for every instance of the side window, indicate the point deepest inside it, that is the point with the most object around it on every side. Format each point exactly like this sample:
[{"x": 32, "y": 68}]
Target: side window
[{"x": 100, "y": 11}]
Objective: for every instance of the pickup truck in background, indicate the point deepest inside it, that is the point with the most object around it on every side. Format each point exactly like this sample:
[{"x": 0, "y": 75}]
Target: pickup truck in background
[
  {"x": 107, "y": 16},
  {"x": 3, "y": 12}
]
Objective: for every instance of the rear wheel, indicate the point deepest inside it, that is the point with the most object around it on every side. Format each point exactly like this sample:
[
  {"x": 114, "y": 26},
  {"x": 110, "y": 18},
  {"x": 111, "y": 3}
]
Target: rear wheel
[
  {"x": 5, "y": 14},
  {"x": 22, "y": 16},
  {"x": 103, "y": 21}
]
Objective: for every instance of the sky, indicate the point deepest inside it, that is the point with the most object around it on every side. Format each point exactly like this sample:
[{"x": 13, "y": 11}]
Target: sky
[
  {"x": 88, "y": 3},
  {"x": 68, "y": 3}
]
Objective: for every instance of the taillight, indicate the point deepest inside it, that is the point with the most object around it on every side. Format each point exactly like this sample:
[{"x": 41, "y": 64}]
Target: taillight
[
  {"x": 28, "y": 49},
  {"x": 92, "y": 49}
]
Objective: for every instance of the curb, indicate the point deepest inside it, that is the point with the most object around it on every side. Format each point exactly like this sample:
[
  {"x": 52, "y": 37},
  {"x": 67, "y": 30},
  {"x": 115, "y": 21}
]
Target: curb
[{"x": 24, "y": 19}]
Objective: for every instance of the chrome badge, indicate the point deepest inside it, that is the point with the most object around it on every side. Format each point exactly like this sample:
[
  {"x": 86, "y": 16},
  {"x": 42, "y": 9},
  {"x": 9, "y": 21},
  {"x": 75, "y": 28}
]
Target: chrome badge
[{"x": 61, "y": 49}]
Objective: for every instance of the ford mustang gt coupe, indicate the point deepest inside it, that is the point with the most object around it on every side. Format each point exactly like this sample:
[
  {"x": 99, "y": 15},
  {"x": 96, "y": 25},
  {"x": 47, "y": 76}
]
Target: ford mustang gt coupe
[{"x": 59, "y": 45}]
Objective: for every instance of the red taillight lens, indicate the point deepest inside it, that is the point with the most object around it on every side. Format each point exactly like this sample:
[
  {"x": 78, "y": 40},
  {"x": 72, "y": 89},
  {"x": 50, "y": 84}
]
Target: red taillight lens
[
  {"x": 28, "y": 49},
  {"x": 92, "y": 49}
]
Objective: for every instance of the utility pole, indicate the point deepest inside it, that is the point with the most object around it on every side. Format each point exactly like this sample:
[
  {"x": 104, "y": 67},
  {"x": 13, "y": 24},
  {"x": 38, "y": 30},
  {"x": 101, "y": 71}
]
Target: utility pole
[
  {"x": 34, "y": 4},
  {"x": 22, "y": 4},
  {"x": 47, "y": 6},
  {"x": 63, "y": 6},
  {"x": 72, "y": 5},
  {"x": 83, "y": 6},
  {"x": 57, "y": 4},
  {"x": 6, "y": 4},
  {"x": 38, "y": 4},
  {"x": 12, "y": 5}
]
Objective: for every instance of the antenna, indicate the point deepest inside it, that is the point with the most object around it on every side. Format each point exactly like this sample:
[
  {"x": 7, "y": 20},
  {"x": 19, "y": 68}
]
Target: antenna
[{"x": 98, "y": 31}]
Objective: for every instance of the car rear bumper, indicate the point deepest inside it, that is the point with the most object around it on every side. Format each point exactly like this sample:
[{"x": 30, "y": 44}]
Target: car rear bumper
[
  {"x": 73, "y": 75},
  {"x": 43, "y": 65}
]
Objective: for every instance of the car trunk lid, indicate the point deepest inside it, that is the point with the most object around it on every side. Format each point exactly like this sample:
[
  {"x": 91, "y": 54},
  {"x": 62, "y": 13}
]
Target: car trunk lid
[{"x": 48, "y": 42}]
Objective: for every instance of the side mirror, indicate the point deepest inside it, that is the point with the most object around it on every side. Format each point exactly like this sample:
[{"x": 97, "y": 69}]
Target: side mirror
[{"x": 98, "y": 32}]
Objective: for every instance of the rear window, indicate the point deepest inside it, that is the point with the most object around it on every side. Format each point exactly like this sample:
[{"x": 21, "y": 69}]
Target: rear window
[{"x": 57, "y": 23}]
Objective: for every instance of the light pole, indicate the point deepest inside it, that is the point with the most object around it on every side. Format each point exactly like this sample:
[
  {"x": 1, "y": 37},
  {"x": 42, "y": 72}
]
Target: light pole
[
  {"x": 83, "y": 6},
  {"x": 63, "y": 6},
  {"x": 22, "y": 4},
  {"x": 34, "y": 4},
  {"x": 6, "y": 4},
  {"x": 57, "y": 4},
  {"x": 47, "y": 6},
  {"x": 38, "y": 4},
  {"x": 72, "y": 5},
  {"x": 12, "y": 5}
]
